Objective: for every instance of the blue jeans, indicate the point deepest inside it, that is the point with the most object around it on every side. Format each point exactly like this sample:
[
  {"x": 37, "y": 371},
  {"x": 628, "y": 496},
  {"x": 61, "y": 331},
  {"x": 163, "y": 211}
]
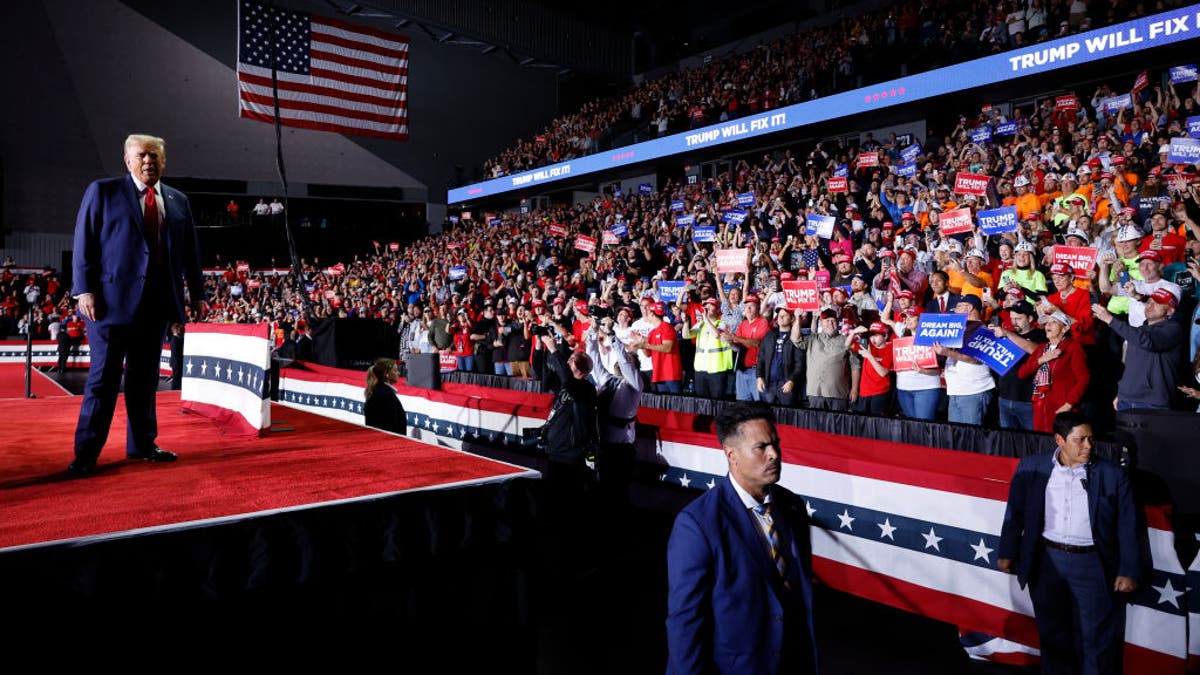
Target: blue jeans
[
  {"x": 919, "y": 404},
  {"x": 502, "y": 368},
  {"x": 969, "y": 408},
  {"x": 669, "y": 387},
  {"x": 1016, "y": 414},
  {"x": 1123, "y": 404},
  {"x": 746, "y": 383},
  {"x": 466, "y": 364}
]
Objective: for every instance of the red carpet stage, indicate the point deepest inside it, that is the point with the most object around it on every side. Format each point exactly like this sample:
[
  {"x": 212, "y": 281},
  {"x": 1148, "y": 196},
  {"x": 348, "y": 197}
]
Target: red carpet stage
[
  {"x": 12, "y": 384},
  {"x": 315, "y": 461}
]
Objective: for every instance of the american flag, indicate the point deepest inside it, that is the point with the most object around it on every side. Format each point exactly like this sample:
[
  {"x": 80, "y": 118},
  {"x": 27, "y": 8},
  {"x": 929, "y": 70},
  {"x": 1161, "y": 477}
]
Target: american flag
[{"x": 333, "y": 76}]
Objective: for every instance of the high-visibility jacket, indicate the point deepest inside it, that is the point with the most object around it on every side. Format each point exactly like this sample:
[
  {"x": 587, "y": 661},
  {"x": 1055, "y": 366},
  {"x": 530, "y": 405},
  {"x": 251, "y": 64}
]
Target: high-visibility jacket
[{"x": 713, "y": 355}]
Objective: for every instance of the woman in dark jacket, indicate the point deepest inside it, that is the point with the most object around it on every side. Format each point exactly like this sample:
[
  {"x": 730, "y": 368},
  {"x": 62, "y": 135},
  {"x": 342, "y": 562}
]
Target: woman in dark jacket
[{"x": 383, "y": 409}]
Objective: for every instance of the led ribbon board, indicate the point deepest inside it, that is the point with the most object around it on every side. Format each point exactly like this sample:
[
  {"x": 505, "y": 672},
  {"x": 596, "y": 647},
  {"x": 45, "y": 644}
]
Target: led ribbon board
[{"x": 1124, "y": 38}]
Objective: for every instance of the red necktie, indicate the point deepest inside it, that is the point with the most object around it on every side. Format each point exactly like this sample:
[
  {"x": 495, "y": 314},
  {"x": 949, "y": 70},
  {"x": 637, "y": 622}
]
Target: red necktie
[
  {"x": 150, "y": 221},
  {"x": 942, "y": 302}
]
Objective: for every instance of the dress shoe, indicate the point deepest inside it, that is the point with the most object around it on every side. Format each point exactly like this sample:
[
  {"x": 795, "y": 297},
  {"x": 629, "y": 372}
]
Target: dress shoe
[
  {"x": 155, "y": 455},
  {"x": 82, "y": 469}
]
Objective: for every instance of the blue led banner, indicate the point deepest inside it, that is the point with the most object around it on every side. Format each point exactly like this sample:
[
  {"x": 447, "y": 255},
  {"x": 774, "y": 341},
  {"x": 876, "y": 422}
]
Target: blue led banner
[{"x": 1123, "y": 38}]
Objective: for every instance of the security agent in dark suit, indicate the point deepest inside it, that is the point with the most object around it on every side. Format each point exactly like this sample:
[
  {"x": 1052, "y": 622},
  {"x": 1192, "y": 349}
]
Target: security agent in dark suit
[
  {"x": 135, "y": 245},
  {"x": 1070, "y": 534},
  {"x": 383, "y": 409},
  {"x": 739, "y": 563}
]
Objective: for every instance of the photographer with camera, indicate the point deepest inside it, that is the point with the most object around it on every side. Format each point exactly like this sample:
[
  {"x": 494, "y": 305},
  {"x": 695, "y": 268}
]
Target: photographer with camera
[{"x": 570, "y": 434}]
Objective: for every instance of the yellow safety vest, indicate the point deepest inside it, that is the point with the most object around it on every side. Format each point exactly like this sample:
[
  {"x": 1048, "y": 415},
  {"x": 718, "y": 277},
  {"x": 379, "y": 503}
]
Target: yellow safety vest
[{"x": 713, "y": 355}]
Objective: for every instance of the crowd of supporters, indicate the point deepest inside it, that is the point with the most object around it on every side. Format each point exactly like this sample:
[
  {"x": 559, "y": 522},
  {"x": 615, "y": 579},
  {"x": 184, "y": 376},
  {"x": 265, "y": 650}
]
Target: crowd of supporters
[
  {"x": 1077, "y": 176},
  {"x": 899, "y": 38}
]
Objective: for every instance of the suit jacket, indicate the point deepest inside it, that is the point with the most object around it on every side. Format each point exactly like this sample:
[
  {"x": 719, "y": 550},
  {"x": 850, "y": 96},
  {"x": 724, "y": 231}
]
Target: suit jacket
[
  {"x": 728, "y": 611},
  {"x": 111, "y": 256},
  {"x": 793, "y": 359},
  {"x": 932, "y": 306},
  {"x": 1110, "y": 507}
]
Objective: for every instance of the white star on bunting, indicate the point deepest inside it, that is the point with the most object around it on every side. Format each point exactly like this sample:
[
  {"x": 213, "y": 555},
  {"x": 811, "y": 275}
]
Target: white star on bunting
[
  {"x": 685, "y": 481},
  {"x": 1167, "y": 593},
  {"x": 846, "y": 519},
  {"x": 931, "y": 540},
  {"x": 982, "y": 551},
  {"x": 886, "y": 529}
]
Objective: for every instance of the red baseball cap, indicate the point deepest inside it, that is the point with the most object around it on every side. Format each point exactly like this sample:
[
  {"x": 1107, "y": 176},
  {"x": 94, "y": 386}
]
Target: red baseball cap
[
  {"x": 786, "y": 276},
  {"x": 751, "y": 298},
  {"x": 539, "y": 303},
  {"x": 658, "y": 308},
  {"x": 880, "y": 328},
  {"x": 1149, "y": 254},
  {"x": 1060, "y": 268},
  {"x": 1164, "y": 297},
  {"x": 712, "y": 301}
]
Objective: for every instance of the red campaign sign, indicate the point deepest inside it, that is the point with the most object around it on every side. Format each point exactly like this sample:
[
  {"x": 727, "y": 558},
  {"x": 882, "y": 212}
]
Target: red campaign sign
[
  {"x": 466, "y": 215},
  {"x": 868, "y": 159},
  {"x": 1068, "y": 102},
  {"x": 243, "y": 267},
  {"x": 971, "y": 184},
  {"x": 540, "y": 138},
  {"x": 1142, "y": 81},
  {"x": 254, "y": 283},
  {"x": 609, "y": 238},
  {"x": 906, "y": 356},
  {"x": 447, "y": 362},
  {"x": 838, "y": 184},
  {"x": 394, "y": 246},
  {"x": 802, "y": 294},
  {"x": 558, "y": 229},
  {"x": 1080, "y": 258},
  {"x": 329, "y": 294},
  {"x": 731, "y": 260},
  {"x": 584, "y": 243},
  {"x": 955, "y": 222}
]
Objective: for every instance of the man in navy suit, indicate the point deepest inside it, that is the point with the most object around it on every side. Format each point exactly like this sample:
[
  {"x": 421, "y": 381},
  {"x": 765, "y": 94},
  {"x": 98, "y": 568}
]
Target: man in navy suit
[
  {"x": 739, "y": 563},
  {"x": 135, "y": 243},
  {"x": 1070, "y": 534}
]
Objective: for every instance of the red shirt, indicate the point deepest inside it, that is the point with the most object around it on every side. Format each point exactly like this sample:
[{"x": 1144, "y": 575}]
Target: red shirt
[
  {"x": 666, "y": 366},
  {"x": 1172, "y": 247},
  {"x": 751, "y": 330},
  {"x": 872, "y": 383}
]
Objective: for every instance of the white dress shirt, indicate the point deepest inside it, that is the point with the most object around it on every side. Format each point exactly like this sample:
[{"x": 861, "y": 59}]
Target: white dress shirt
[
  {"x": 158, "y": 197},
  {"x": 751, "y": 503},
  {"x": 1068, "y": 520}
]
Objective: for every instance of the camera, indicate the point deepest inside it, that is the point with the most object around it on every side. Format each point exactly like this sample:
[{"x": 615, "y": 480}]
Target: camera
[{"x": 539, "y": 331}]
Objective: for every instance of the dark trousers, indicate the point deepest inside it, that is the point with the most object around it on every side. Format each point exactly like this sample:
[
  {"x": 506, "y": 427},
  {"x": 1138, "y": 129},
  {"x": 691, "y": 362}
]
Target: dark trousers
[
  {"x": 775, "y": 395},
  {"x": 66, "y": 347},
  {"x": 134, "y": 349},
  {"x": 614, "y": 469},
  {"x": 879, "y": 405},
  {"x": 1080, "y": 620},
  {"x": 712, "y": 385},
  {"x": 826, "y": 403}
]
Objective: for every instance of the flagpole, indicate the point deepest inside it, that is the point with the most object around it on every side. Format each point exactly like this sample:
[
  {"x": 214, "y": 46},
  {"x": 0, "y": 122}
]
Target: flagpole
[{"x": 297, "y": 271}]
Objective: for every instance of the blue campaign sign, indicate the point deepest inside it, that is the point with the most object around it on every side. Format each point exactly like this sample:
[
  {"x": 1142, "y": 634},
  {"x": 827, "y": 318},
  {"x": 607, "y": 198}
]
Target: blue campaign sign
[
  {"x": 907, "y": 170},
  {"x": 734, "y": 217},
  {"x": 981, "y": 134},
  {"x": 677, "y": 205},
  {"x": 1006, "y": 129},
  {"x": 684, "y": 221},
  {"x": 1181, "y": 74},
  {"x": 645, "y": 188},
  {"x": 946, "y": 329},
  {"x": 1102, "y": 43},
  {"x": 669, "y": 291},
  {"x": 1184, "y": 151},
  {"x": 617, "y": 193},
  {"x": 1115, "y": 104},
  {"x": 704, "y": 234},
  {"x": 621, "y": 229},
  {"x": 841, "y": 171},
  {"x": 999, "y": 354},
  {"x": 1193, "y": 126},
  {"x": 998, "y": 221},
  {"x": 822, "y": 226},
  {"x": 746, "y": 199},
  {"x": 458, "y": 272},
  {"x": 911, "y": 153},
  {"x": 494, "y": 221}
]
